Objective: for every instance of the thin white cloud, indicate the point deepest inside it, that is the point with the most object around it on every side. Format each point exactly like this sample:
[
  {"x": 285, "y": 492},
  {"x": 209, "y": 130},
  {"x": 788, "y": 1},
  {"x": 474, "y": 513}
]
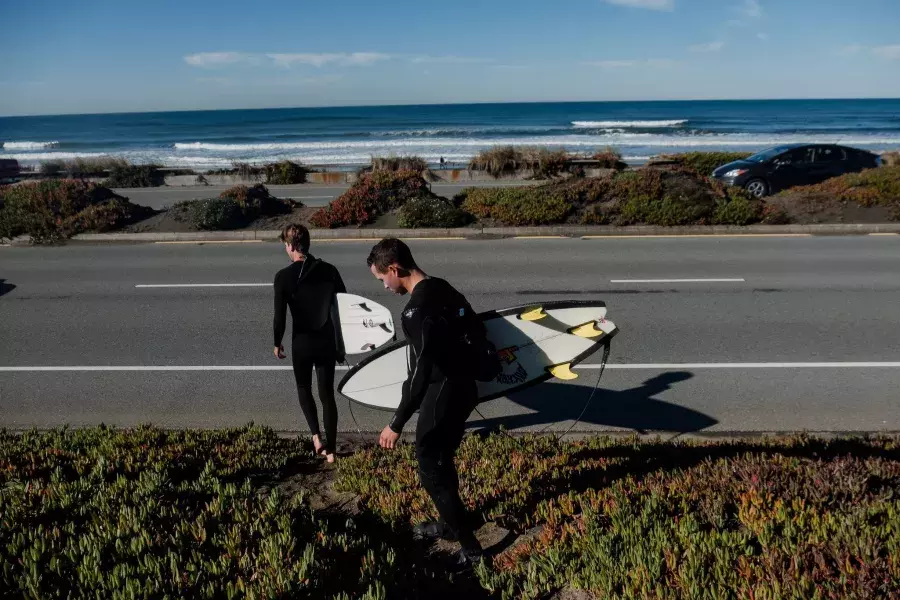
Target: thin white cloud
[
  {"x": 449, "y": 60},
  {"x": 316, "y": 81},
  {"x": 888, "y": 52},
  {"x": 321, "y": 59},
  {"x": 611, "y": 64},
  {"x": 707, "y": 48},
  {"x": 323, "y": 80},
  {"x": 216, "y": 80},
  {"x": 216, "y": 59},
  {"x": 891, "y": 52},
  {"x": 627, "y": 64},
  {"x": 763, "y": 36},
  {"x": 510, "y": 67},
  {"x": 650, "y": 4},
  {"x": 751, "y": 8},
  {"x": 749, "y": 11}
]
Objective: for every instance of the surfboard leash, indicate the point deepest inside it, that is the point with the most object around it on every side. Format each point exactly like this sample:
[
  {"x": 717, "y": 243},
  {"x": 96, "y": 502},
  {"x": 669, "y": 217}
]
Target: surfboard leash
[
  {"x": 606, "y": 348},
  {"x": 350, "y": 408}
]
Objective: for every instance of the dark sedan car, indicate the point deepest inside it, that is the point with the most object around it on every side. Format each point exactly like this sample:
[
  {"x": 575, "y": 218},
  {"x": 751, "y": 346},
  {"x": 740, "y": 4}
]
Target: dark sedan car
[
  {"x": 782, "y": 167},
  {"x": 9, "y": 170}
]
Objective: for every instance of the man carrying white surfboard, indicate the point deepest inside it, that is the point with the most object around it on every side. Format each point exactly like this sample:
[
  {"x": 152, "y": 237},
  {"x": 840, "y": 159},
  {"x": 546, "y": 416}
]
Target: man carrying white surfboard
[
  {"x": 440, "y": 385},
  {"x": 310, "y": 286}
]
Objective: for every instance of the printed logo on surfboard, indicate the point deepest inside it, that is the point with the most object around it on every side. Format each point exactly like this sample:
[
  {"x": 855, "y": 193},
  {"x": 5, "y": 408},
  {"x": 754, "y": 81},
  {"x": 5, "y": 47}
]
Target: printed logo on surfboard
[{"x": 512, "y": 372}]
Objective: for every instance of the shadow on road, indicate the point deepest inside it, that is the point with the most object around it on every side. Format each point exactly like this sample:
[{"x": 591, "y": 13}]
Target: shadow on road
[
  {"x": 5, "y": 288},
  {"x": 634, "y": 408}
]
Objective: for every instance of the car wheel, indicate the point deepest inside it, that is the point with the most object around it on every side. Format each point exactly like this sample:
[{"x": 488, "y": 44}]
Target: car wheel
[{"x": 757, "y": 188}]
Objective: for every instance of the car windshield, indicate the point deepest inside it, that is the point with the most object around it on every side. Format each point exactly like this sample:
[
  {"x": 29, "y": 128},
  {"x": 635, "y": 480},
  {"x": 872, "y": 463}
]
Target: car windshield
[{"x": 767, "y": 155}]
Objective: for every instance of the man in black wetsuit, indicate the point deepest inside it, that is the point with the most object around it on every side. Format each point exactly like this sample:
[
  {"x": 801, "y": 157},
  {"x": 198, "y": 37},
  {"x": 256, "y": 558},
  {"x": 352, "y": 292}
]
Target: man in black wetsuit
[
  {"x": 439, "y": 386},
  {"x": 309, "y": 286}
]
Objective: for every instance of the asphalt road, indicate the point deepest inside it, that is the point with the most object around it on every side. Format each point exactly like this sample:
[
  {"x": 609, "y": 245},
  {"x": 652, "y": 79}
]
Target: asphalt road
[
  {"x": 310, "y": 193},
  {"x": 797, "y": 334}
]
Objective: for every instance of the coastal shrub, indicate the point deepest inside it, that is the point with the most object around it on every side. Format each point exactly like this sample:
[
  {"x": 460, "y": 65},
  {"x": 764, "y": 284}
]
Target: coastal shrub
[
  {"x": 477, "y": 201},
  {"x": 610, "y": 158},
  {"x": 647, "y": 183},
  {"x": 83, "y": 167},
  {"x": 599, "y": 214},
  {"x": 641, "y": 196},
  {"x": 94, "y": 166},
  {"x": 234, "y": 208},
  {"x": 257, "y": 201},
  {"x": 773, "y": 214},
  {"x": 517, "y": 206},
  {"x": 242, "y": 170},
  {"x": 890, "y": 159},
  {"x": 398, "y": 163},
  {"x": 148, "y": 513},
  {"x": 431, "y": 212},
  {"x": 667, "y": 211},
  {"x": 738, "y": 210},
  {"x": 371, "y": 196},
  {"x": 285, "y": 172},
  {"x": 134, "y": 176},
  {"x": 705, "y": 163},
  {"x": 211, "y": 213},
  {"x": 872, "y": 187},
  {"x": 507, "y": 160},
  {"x": 611, "y": 188},
  {"x": 53, "y": 167},
  {"x": 53, "y": 210},
  {"x": 629, "y": 518}
]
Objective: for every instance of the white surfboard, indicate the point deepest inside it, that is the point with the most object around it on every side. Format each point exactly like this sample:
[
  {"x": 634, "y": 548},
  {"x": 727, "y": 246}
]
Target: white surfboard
[
  {"x": 365, "y": 325},
  {"x": 535, "y": 342}
]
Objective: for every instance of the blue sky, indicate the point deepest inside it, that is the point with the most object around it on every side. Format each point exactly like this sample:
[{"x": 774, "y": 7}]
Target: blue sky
[{"x": 112, "y": 56}]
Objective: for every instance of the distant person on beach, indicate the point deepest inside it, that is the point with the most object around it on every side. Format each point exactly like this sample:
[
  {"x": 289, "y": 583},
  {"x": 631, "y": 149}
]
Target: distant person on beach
[
  {"x": 309, "y": 286},
  {"x": 442, "y": 162}
]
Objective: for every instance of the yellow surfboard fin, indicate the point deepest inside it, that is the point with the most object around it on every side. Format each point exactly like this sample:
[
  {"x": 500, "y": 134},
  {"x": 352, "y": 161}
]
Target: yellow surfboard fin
[
  {"x": 563, "y": 371},
  {"x": 534, "y": 314},
  {"x": 588, "y": 330}
]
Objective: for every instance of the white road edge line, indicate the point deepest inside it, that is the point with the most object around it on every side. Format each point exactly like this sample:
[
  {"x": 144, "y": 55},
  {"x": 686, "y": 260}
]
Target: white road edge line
[
  {"x": 200, "y": 285},
  {"x": 736, "y": 280},
  {"x": 624, "y": 367},
  {"x": 771, "y": 365}
]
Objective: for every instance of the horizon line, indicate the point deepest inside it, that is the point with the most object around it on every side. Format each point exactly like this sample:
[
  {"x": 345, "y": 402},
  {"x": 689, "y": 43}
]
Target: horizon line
[{"x": 438, "y": 104}]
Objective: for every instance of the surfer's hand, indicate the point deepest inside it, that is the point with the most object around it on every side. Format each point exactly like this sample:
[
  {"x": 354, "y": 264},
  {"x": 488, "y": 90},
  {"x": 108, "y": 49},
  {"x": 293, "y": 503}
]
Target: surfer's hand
[
  {"x": 388, "y": 438},
  {"x": 340, "y": 359},
  {"x": 279, "y": 352}
]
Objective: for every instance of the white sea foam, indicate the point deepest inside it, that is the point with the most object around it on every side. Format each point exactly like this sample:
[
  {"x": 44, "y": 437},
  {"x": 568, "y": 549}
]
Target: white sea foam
[
  {"x": 417, "y": 145},
  {"x": 28, "y": 145},
  {"x": 629, "y": 124},
  {"x": 636, "y": 145}
]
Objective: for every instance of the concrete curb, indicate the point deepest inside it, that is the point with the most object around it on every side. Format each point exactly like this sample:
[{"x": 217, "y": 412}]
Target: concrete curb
[{"x": 478, "y": 232}]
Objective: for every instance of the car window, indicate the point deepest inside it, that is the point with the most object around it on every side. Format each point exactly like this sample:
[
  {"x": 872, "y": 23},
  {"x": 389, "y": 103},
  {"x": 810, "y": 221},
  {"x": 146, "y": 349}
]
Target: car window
[
  {"x": 766, "y": 155},
  {"x": 800, "y": 156},
  {"x": 830, "y": 154}
]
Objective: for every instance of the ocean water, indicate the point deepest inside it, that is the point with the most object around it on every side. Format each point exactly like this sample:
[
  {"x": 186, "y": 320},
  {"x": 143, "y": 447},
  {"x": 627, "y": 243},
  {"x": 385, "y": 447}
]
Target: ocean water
[{"x": 348, "y": 136}]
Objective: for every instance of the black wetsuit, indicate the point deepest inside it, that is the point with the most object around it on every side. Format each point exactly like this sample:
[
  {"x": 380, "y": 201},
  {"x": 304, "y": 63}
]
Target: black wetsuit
[
  {"x": 309, "y": 288},
  {"x": 443, "y": 390}
]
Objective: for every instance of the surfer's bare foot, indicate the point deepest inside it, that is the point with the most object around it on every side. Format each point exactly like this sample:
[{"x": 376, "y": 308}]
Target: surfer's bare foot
[
  {"x": 329, "y": 458},
  {"x": 318, "y": 446}
]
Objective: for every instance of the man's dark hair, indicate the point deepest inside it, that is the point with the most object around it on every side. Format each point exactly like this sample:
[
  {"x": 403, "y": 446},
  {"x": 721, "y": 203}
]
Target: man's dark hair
[
  {"x": 391, "y": 251},
  {"x": 297, "y": 237}
]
